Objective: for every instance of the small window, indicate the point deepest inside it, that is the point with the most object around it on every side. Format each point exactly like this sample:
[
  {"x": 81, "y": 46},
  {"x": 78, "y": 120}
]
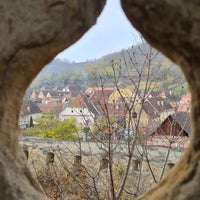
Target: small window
[{"x": 134, "y": 115}]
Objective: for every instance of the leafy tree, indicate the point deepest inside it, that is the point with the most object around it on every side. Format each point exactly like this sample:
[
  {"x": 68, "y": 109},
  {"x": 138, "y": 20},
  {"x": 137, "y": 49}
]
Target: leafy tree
[
  {"x": 86, "y": 129},
  {"x": 52, "y": 128},
  {"x": 64, "y": 130}
]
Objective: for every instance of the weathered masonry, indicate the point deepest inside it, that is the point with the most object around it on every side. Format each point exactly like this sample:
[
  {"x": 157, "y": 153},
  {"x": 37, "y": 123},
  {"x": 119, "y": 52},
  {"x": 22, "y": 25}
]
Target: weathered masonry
[{"x": 34, "y": 32}]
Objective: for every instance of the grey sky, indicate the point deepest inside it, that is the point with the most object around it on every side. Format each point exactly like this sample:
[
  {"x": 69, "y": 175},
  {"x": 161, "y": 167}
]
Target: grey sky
[{"x": 111, "y": 33}]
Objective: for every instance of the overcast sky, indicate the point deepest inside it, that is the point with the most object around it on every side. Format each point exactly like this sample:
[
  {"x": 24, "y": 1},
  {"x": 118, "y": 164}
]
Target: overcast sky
[{"x": 112, "y": 33}]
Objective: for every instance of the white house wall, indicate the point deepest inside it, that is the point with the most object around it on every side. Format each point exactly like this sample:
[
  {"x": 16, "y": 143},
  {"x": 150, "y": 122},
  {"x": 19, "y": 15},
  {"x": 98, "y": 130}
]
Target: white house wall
[
  {"x": 26, "y": 119},
  {"x": 81, "y": 114}
]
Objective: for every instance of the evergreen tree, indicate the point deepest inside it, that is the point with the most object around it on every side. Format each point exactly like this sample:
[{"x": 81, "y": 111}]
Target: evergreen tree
[{"x": 31, "y": 122}]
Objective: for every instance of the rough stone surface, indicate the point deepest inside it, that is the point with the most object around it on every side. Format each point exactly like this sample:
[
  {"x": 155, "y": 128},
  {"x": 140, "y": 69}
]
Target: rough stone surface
[
  {"x": 173, "y": 27},
  {"x": 32, "y": 33}
]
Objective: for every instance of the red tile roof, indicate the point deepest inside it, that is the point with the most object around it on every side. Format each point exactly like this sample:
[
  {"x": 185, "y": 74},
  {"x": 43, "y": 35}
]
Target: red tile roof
[
  {"x": 28, "y": 108},
  {"x": 155, "y": 105},
  {"x": 185, "y": 103}
]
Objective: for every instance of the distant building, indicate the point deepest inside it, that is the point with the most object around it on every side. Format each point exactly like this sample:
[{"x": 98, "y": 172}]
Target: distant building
[
  {"x": 94, "y": 104},
  {"x": 98, "y": 95},
  {"x": 177, "y": 124},
  {"x": 50, "y": 96},
  {"x": 81, "y": 108},
  {"x": 50, "y": 108},
  {"x": 83, "y": 116},
  {"x": 72, "y": 90},
  {"x": 28, "y": 110},
  {"x": 170, "y": 96},
  {"x": 153, "y": 111},
  {"x": 185, "y": 104},
  {"x": 34, "y": 94}
]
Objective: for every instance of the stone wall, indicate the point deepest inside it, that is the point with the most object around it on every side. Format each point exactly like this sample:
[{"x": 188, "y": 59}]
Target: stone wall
[
  {"x": 173, "y": 27},
  {"x": 33, "y": 32}
]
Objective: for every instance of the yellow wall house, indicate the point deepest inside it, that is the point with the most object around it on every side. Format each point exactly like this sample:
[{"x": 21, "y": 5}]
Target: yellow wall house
[
  {"x": 118, "y": 95},
  {"x": 153, "y": 112}
]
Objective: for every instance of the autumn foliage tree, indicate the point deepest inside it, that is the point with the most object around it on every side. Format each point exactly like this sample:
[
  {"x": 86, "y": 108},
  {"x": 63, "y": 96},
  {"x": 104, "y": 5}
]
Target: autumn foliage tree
[{"x": 53, "y": 128}]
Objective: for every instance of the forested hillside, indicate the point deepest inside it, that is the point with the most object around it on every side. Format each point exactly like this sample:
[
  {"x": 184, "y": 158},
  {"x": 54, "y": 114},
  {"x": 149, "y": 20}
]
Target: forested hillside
[
  {"x": 137, "y": 62},
  {"x": 58, "y": 66}
]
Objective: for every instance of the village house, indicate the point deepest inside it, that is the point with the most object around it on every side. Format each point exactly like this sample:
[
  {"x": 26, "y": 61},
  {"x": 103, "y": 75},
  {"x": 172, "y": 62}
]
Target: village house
[
  {"x": 51, "y": 96},
  {"x": 151, "y": 94},
  {"x": 170, "y": 97},
  {"x": 99, "y": 98},
  {"x": 34, "y": 94},
  {"x": 54, "y": 97},
  {"x": 43, "y": 94},
  {"x": 29, "y": 109},
  {"x": 51, "y": 108},
  {"x": 98, "y": 94},
  {"x": 174, "y": 131},
  {"x": 185, "y": 104},
  {"x": 177, "y": 124},
  {"x": 95, "y": 101},
  {"x": 48, "y": 94},
  {"x": 81, "y": 108},
  {"x": 72, "y": 89},
  {"x": 121, "y": 93},
  {"x": 152, "y": 111},
  {"x": 82, "y": 115}
]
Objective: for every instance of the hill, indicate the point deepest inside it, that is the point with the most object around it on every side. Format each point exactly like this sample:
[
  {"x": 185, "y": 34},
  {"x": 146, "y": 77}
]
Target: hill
[
  {"x": 129, "y": 63},
  {"x": 58, "y": 66}
]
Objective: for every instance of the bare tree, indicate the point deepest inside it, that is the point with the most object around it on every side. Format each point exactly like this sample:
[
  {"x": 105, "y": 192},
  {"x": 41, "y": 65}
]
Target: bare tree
[{"x": 115, "y": 162}]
